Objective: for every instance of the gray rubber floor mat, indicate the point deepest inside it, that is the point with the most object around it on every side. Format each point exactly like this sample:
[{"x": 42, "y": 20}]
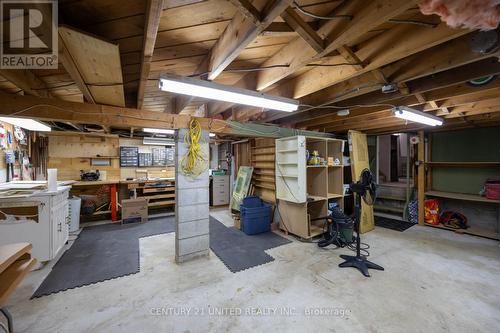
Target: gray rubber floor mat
[
  {"x": 239, "y": 251},
  {"x": 101, "y": 253}
]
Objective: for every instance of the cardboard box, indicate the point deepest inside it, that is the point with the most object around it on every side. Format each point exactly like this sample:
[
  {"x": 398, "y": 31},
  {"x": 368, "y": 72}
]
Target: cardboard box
[
  {"x": 134, "y": 208},
  {"x": 237, "y": 222}
]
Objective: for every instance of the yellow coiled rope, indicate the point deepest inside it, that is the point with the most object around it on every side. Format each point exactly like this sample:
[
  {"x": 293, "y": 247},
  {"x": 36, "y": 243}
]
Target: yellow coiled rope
[{"x": 195, "y": 161}]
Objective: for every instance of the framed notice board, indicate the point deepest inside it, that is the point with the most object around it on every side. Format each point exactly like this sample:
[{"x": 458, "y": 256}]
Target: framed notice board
[{"x": 129, "y": 156}]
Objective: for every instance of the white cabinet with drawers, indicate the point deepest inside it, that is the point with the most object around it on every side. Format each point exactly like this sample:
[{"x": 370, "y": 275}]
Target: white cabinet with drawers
[
  {"x": 219, "y": 190},
  {"x": 46, "y": 227}
]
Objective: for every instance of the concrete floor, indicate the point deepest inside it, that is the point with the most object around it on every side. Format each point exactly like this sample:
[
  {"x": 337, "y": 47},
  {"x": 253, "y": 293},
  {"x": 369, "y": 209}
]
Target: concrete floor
[{"x": 435, "y": 281}]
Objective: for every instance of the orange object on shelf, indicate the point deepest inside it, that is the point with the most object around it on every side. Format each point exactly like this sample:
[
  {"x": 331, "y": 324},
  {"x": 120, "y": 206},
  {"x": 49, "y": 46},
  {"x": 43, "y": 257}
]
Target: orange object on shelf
[{"x": 431, "y": 211}]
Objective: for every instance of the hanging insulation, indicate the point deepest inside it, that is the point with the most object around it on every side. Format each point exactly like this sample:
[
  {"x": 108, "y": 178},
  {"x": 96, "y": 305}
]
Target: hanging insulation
[
  {"x": 195, "y": 161},
  {"x": 477, "y": 14}
]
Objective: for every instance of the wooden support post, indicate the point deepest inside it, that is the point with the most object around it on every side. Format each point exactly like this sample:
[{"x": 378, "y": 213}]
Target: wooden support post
[
  {"x": 421, "y": 176},
  {"x": 428, "y": 157}
]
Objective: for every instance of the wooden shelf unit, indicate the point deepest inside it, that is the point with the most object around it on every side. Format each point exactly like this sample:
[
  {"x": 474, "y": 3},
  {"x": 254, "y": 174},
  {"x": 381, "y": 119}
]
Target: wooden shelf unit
[
  {"x": 472, "y": 230},
  {"x": 304, "y": 191},
  {"x": 469, "y": 231},
  {"x": 460, "y": 196},
  {"x": 464, "y": 164},
  {"x": 159, "y": 194},
  {"x": 262, "y": 158}
]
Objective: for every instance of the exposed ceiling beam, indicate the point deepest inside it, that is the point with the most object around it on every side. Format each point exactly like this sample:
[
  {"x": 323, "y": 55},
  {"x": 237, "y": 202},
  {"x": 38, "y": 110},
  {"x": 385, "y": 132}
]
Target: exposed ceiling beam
[
  {"x": 153, "y": 14},
  {"x": 446, "y": 56},
  {"x": 351, "y": 57},
  {"x": 298, "y": 53},
  {"x": 451, "y": 95},
  {"x": 303, "y": 29},
  {"x": 488, "y": 120},
  {"x": 282, "y": 29},
  {"x": 248, "y": 10},
  {"x": 50, "y": 109},
  {"x": 27, "y": 81},
  {"x": 319, "y": 84},
  {"x": 380, "y": 51},
  {"x": 250, "y": 20},
  {"x": 467, "y": 72},
  {"x": 385, "y": 117},
  {"x": 240, "y": 32}
]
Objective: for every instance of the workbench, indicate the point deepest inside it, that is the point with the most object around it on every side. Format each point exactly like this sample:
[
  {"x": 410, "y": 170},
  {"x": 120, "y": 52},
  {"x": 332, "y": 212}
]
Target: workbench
[
  {"x": 113, "y": 194},
  {"x": 158, "y": 192}
]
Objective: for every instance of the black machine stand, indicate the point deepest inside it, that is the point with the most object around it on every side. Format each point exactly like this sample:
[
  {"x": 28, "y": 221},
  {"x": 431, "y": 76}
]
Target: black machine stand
[{"x": 358, "y": 261}]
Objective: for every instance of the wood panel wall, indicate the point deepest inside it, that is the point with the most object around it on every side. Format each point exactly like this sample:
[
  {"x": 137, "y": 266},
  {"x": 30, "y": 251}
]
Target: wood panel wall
[{"x": 70, "y": 152}]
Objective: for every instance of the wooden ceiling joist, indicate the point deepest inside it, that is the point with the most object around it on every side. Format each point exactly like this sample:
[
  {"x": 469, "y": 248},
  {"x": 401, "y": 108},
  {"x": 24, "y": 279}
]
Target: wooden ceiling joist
[
  {"x": 490, "y": 66},
  {"x": 240, "y": 32},
  {"x": 453, "y": 53},
  {"x": 153, "y": 14},
  {"x": 298, "y": 53},
  {"x": 250, "y": 20},
  {"x": 450, "y": 96},
  {"x": 367, "y": 118},
  {"x": 350, "y": 57},
  {"x": 303, "y": 29},
  {"x": 27, "y": 81},
  {"x": 380, "y": 51},
  {"x": 49, "y": 109},
  {"x": 437, "y": 59},
  {"x": 248, "y": 10}
]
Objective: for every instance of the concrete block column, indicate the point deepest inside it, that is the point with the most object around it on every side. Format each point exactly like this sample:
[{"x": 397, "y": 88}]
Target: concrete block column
[{"x": 191, "y": 208}]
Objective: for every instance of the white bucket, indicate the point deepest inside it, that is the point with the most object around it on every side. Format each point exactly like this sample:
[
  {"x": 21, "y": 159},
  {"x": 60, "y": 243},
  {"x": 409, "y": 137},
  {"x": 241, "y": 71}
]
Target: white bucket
[{"x": 75, "y": 204}]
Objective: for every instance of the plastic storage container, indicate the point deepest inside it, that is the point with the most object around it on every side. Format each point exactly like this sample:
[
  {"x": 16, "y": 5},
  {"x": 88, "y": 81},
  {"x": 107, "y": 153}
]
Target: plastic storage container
[
  {"x": 492, "y": 187},
  {"x": 255, "y": 215}
]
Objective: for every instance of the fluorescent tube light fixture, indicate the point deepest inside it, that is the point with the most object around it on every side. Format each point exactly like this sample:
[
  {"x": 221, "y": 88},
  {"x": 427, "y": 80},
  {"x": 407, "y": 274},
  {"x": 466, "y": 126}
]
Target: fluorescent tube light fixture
[
  {"x": 410, "y": 114},
  {"x": 212, "y": 135},
  {"x": 158, "y": 130},
  {"x": 29, "y": 124},
  {"x": 158, "y": 141},
  {"x": 212, "y": 90}
]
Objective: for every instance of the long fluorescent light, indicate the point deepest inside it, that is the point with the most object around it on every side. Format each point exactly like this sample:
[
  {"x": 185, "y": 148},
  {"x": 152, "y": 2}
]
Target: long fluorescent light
[
  {"x": 410, "y": 114},
  {"x": 158, "y": 130},
  {"x": 158, "y": 141},
  {"x": 212, "y": 90},
  {"x": 212, "y": 135},
  {"x": 29, "y": 124}
]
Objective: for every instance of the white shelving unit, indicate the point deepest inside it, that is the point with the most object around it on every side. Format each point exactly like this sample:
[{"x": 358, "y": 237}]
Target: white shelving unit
[{"x": 304, "y": 190}]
